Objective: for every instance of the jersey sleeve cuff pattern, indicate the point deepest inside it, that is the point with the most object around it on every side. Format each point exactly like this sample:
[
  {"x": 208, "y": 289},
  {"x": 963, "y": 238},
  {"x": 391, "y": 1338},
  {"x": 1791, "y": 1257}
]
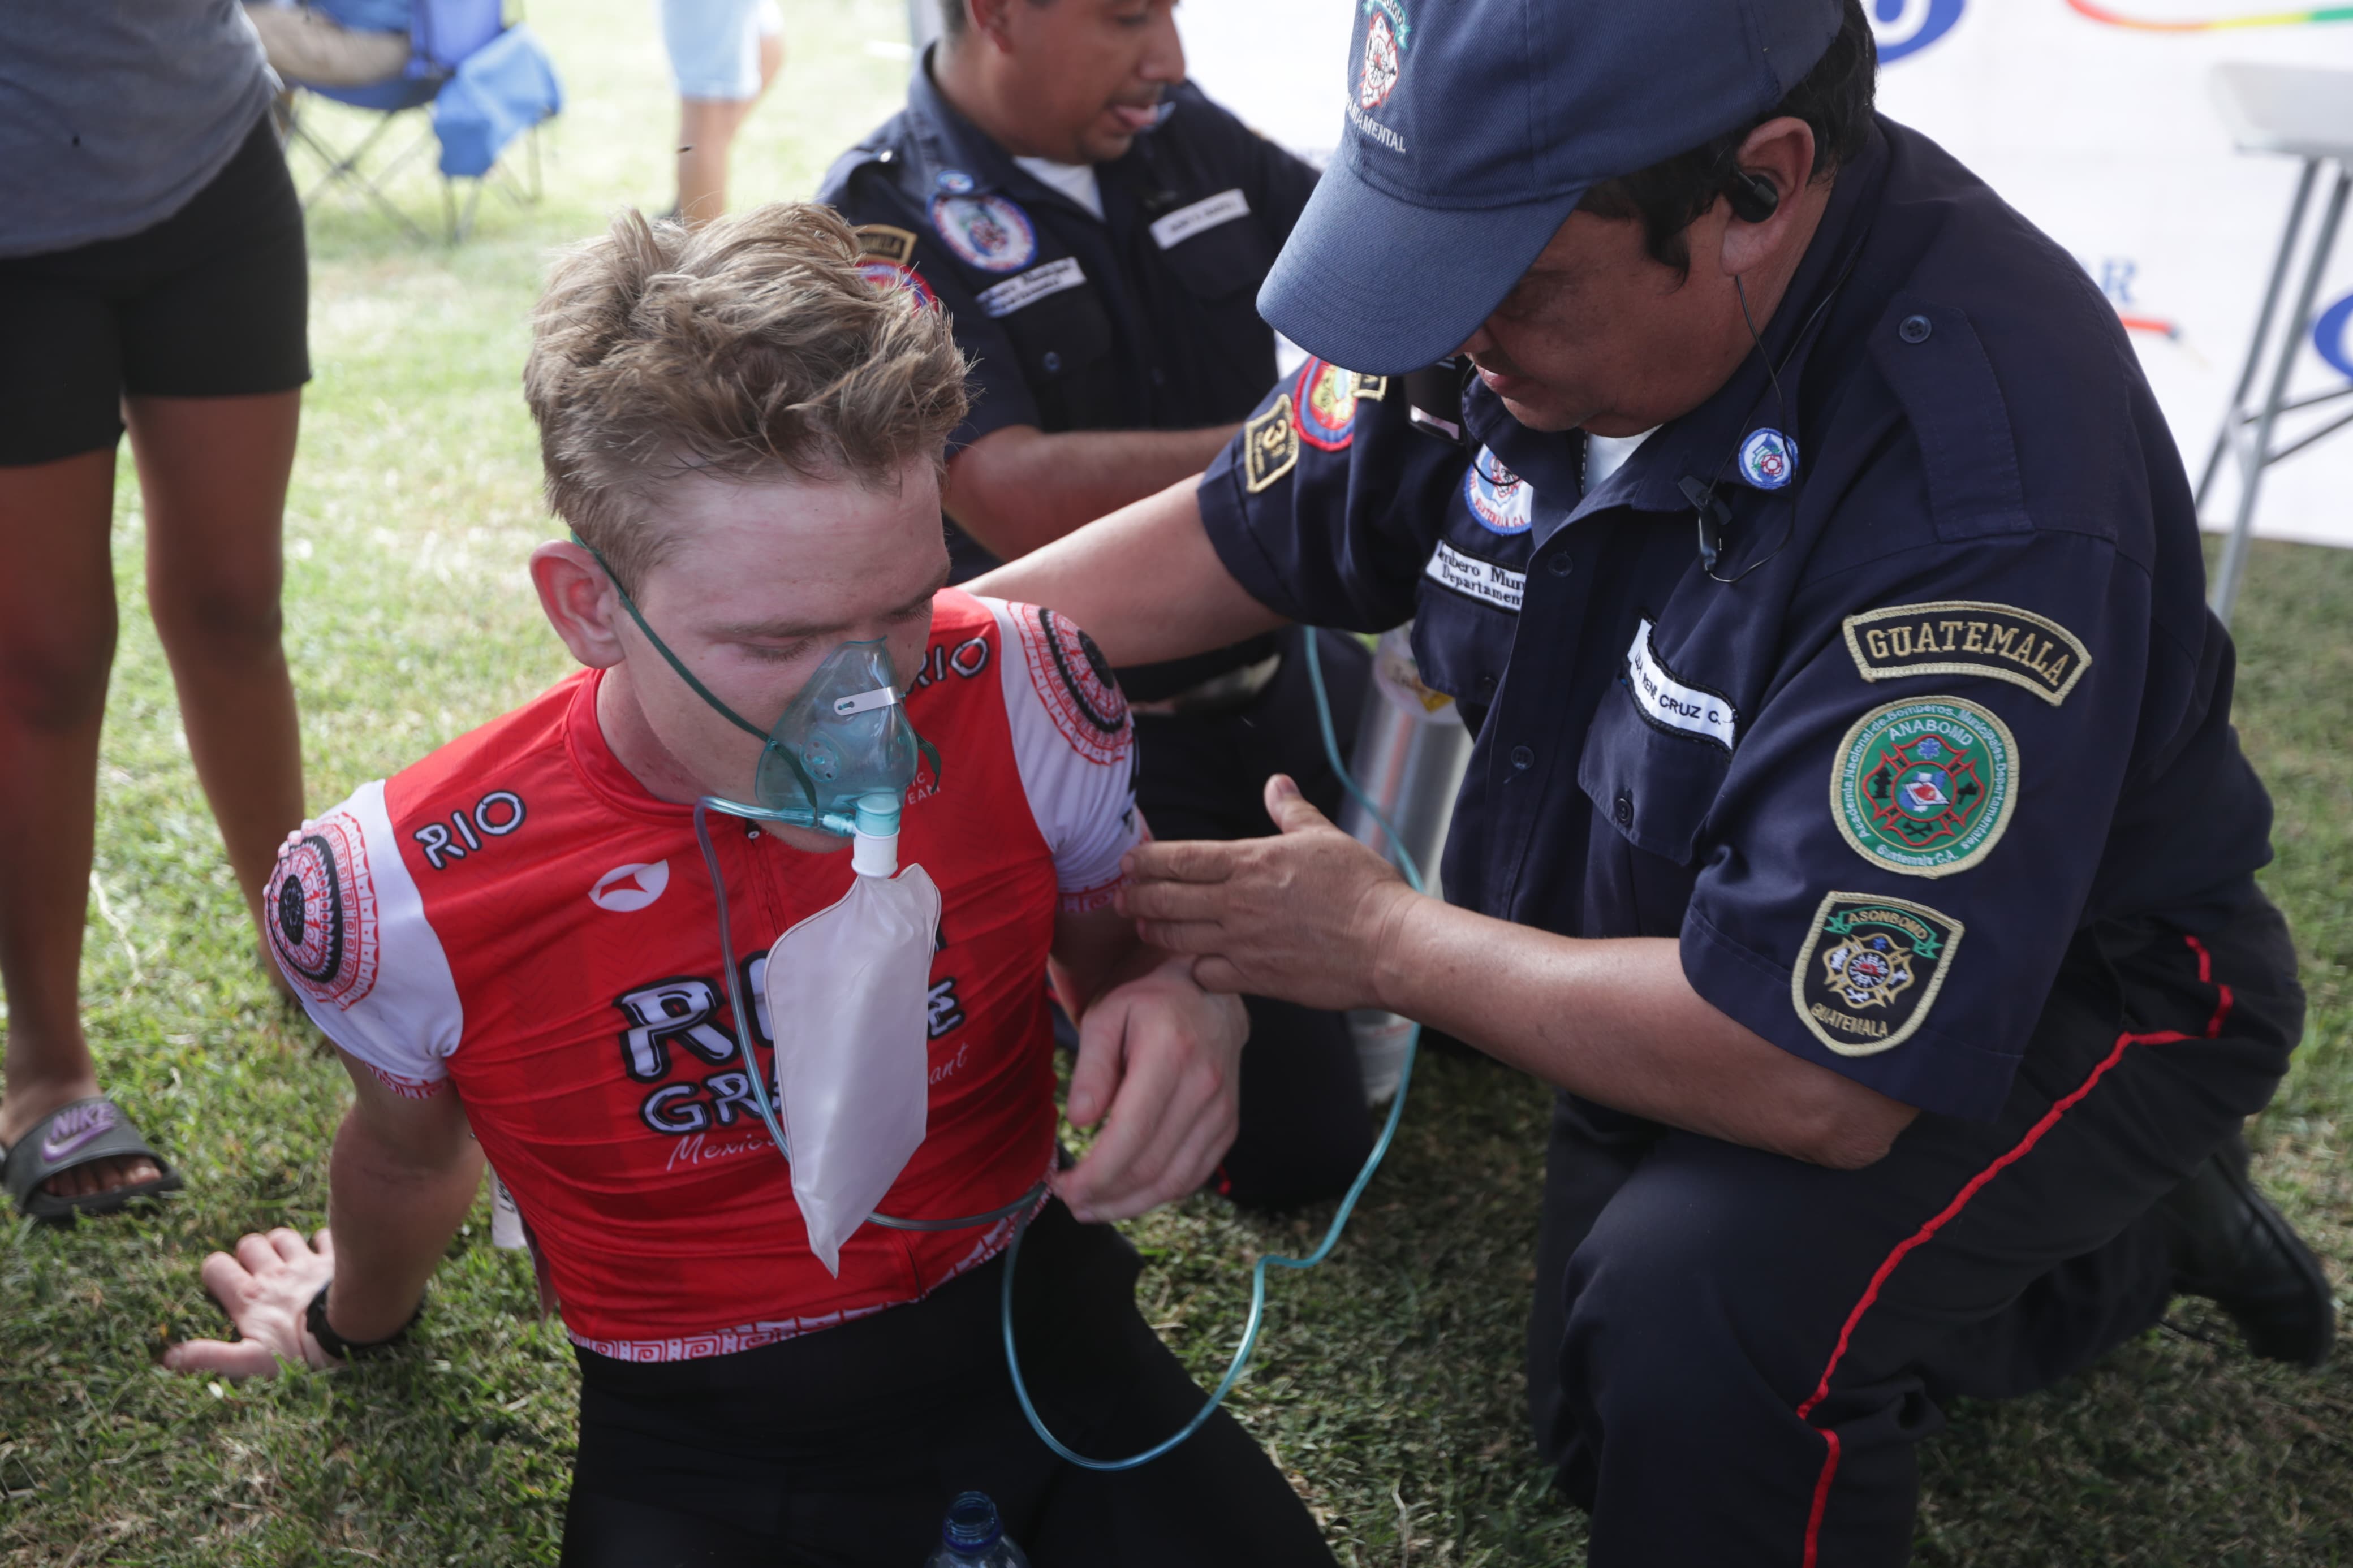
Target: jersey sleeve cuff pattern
[{"x": 347, "y": 927}]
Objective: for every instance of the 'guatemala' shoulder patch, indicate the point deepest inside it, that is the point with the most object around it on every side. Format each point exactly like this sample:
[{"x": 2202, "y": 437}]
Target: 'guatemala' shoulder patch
[
  {"x": 1870, "y": 969},
  {"x": 1326, "y": 409},
  {"x": 1968, "y": 637},
  {"x": 897, "y": 244},
  {"x": 1270, "y": 445},
  {"x": 1500, "y": 500},
  {"x": 990, "y": 232},
  {"x": 1769, "y": 459},
  {"x": 1924, "y": 788}
]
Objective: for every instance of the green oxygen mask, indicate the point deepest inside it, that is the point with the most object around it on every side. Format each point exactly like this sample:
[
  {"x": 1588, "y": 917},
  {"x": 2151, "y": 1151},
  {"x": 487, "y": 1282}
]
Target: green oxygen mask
[{"x": 844, "y": 737}]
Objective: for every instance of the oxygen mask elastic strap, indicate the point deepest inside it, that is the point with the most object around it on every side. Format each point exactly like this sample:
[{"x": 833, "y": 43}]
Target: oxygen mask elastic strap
[{"x": 845, "y": 736}]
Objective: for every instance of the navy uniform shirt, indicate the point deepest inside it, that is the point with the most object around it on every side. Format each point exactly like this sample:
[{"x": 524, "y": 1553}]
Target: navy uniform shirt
[
  {"x": 1145, "y": 319},
  {"x": 1959, "y": 696}
]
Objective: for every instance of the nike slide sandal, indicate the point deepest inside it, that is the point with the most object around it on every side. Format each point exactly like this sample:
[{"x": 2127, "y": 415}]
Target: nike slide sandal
[{"x": 68, "y": 1138}]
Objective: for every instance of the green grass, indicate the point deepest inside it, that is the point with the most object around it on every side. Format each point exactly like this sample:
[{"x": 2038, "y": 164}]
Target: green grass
[{"x": 1388, "y": 1387}]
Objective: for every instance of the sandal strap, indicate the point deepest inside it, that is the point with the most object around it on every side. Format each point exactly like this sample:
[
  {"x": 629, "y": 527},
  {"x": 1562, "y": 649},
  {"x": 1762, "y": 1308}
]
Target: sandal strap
[{"x": 69, "y": 1137}]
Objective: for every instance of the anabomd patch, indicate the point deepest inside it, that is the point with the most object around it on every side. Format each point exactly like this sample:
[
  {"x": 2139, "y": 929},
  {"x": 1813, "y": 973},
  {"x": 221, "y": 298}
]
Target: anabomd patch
[
  {"x": 1925, "y": 786},
  {"x": 1870, "y": 969},
  {"x": 1968, "y": 637}
]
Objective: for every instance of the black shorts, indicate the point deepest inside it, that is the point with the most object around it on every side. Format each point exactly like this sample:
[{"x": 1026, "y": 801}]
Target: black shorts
[
  {"x": 211, "y": 302},
  {"x": 844, "y": 1448}
]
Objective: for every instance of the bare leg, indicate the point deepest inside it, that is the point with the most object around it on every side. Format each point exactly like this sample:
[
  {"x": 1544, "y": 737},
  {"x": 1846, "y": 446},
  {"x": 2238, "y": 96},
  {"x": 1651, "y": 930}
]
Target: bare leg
[
  {"x": 706, "y": 130},
  {"x": 214, "y": 472},
  {"x": 57, "y": 644}
]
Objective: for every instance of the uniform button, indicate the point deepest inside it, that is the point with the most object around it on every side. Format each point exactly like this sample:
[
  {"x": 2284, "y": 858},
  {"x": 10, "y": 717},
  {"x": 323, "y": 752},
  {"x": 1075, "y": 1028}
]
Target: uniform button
[
  {"x": 1052, "y": 362},
  {"x": 1486, "y": 687},
  {"x": 1562, "y": 564},
  {"x": 1522, "y": 757},
  {"x": 1916, "y": 328},
  {"x": 1625, "y": 809}
]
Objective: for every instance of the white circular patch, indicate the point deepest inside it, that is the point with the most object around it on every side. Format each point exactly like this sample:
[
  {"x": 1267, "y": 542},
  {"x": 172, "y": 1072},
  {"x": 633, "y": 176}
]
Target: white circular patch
[
  {"x": 990, "y": 232},
  {"x": 1769, "y": 459}
]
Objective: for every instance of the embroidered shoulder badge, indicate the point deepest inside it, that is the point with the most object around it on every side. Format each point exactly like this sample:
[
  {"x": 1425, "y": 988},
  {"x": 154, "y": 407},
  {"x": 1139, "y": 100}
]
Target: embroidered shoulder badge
[
  {"x": 1075, "y": 683},
  {"x": 1270, "y": 445},
  {"x": 894, "y": 245},
  {"x": 889, "y": 275},
  {"x": 990, "y": 232},
  {"x": 1328, "y": 396},
  {"x": 1870, "y": 969},
  {"x": 1925, "y": 786},
  {"x": 323, "y": 919},
  {"x": 1967, "y": 637}
]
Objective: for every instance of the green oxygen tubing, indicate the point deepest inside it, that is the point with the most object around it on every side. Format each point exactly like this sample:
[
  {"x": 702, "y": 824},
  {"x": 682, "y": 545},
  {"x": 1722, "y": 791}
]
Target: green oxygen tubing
[{"x": 1268, "y": 1259}]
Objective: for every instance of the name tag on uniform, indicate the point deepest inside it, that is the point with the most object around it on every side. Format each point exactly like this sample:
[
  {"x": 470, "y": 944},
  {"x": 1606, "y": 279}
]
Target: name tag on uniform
[
  {"x": 1498, "y": 586},
  {"x": 1032, "y": 286},
  {"x": 1207, "y": 212},
  {"x": 1675, "y": 704}
]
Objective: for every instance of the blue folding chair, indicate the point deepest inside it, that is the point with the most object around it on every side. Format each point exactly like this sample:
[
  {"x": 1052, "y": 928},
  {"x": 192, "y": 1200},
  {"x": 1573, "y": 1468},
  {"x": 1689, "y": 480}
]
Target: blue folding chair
[{"x": 484, "y": 83}]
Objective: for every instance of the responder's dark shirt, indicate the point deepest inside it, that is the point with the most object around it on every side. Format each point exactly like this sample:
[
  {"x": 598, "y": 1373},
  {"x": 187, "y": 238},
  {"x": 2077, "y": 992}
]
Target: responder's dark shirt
[
  {"x": 1959, "y": 697},
  {"x": 1145, "y": 319}
]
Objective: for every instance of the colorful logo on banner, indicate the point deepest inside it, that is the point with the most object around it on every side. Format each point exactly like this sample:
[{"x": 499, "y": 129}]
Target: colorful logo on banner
[
  {"x": 2332, "y": 336},
  {"x": 2109, "y": 18},
  {"x": 1906, "y": 27}
]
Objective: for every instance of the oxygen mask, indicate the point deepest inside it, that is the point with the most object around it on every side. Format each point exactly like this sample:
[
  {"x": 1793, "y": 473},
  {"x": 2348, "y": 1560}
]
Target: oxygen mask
[{"x": 844, "y": 737}]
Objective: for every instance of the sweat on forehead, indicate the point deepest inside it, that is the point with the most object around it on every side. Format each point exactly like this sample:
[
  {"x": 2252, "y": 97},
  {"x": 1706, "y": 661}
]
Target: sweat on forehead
[{"x": 750, "y": 345}]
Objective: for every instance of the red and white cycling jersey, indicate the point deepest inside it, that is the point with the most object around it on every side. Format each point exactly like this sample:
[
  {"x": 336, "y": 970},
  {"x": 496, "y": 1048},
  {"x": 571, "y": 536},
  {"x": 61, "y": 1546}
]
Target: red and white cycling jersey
[{"x": 516, "y": 916}]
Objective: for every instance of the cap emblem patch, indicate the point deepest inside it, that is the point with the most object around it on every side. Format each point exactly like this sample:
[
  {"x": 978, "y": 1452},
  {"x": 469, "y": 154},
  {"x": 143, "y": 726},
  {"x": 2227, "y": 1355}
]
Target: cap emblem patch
[
  {"x": 1769, "y": 459},
  {"x": 1502, "y": 500},
  {"x": 954, "y": 182},
  {"x": 989, "y": 232},
  {"x": 1870, "y": 969},
  {"x": 1379, "y": 76},
  {"x": 1924, "y": 788}
]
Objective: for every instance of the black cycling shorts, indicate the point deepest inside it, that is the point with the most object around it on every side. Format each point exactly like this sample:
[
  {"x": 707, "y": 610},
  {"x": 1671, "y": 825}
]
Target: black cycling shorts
[
  {"x": 211, "y": 302},
  {"x": 844, "y": 1448}
]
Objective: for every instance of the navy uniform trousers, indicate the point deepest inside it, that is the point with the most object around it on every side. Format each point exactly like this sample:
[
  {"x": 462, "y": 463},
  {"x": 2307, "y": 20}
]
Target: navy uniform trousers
[{"x": 1733, "y": 1353}]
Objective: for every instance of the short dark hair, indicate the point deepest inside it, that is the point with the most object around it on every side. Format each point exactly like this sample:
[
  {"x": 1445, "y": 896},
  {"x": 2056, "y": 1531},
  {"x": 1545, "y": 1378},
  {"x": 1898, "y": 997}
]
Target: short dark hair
[
  {"x": 1835, "y": 99},
  {"x": 952, "y": 17}
]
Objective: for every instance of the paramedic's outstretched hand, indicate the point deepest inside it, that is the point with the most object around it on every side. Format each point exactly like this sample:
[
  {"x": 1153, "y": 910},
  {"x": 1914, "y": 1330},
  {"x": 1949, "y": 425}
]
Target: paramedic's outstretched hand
[
  {"x": 1306, "y": 916},
  {"x": 265, "y": 1289},
  {"x": 1159, "y": 1063}
]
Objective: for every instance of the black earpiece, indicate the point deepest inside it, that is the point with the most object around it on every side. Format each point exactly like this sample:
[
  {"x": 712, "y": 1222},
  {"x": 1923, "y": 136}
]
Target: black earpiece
[{"x": 1753, "y": 197}]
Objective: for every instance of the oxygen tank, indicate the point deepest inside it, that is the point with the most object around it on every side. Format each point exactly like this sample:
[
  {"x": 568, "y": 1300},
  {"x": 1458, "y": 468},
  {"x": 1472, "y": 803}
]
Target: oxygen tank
[{"x": 1411, "y": 751}]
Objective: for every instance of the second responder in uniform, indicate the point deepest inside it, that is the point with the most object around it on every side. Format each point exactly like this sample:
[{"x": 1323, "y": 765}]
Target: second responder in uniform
[
  {"x": 1855, "y": 831},
  {"x": 1098, "y": 229}
]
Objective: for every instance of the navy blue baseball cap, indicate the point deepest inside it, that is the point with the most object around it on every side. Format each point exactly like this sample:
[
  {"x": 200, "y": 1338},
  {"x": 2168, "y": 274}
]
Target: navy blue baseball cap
[{"x": 1474, "y": 128}]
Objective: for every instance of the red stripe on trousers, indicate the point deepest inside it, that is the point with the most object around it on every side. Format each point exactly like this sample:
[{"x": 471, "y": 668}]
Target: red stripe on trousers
[{"x": 2049, "y": 1120}]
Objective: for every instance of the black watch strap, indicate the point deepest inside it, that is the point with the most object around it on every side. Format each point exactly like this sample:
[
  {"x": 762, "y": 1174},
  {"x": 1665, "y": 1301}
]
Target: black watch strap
[{"x": 334, "y": 1344}]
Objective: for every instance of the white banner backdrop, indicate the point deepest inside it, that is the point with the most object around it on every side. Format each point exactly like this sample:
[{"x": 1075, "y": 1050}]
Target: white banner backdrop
[{"x": 2096, "y": 120}]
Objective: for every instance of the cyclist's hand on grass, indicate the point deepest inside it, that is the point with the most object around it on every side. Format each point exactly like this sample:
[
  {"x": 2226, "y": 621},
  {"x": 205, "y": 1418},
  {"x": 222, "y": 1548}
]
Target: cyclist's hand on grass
[{"x": 265, "y": 1289}]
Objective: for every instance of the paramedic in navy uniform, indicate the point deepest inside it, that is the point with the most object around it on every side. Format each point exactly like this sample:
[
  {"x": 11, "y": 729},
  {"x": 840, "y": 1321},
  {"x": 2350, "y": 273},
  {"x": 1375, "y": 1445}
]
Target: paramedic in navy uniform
[
  {"x": 1855, "y": 835},
  {"x": 1098, "y": 230}
]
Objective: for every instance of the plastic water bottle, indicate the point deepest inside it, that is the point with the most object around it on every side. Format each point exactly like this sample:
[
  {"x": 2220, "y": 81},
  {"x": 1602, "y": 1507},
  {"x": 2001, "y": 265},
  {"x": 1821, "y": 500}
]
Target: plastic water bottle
[{"x": 972, "y": 1537}]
